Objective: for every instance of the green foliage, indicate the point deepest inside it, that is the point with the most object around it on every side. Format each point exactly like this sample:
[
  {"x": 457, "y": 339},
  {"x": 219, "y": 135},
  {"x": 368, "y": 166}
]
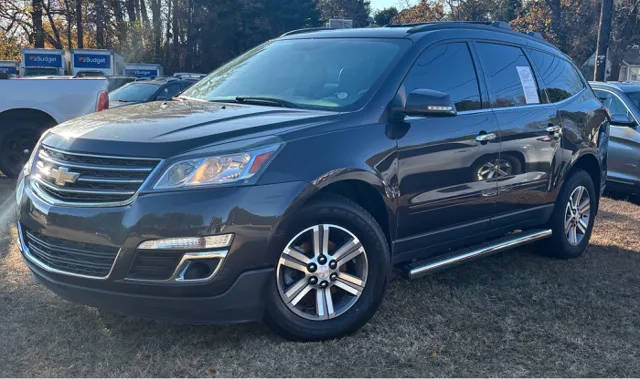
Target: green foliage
[
  {"x": 356, "y": 10},
  {"x": 384, "y": 16}
]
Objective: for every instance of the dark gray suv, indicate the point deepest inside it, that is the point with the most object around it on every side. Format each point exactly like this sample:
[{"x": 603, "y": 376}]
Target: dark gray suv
[{"x": 285, "y": 185}]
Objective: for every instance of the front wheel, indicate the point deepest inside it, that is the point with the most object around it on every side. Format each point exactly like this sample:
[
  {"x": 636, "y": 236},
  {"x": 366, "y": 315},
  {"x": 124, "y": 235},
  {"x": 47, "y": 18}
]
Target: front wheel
[
  {"x": 573, "y": 217},
  {"x": 331, "y": 272}
]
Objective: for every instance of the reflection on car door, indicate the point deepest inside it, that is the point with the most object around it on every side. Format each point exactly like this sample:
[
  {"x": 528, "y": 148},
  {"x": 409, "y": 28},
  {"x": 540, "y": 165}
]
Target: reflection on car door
[
  {"x": 442, "y": 197},
  {"x": 529, "y": 130},
  {"x": 624, "y": 141}
]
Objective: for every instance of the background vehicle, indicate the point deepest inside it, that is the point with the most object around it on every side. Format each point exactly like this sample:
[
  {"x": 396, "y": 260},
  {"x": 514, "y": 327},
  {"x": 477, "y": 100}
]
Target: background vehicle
[
  {"x": 39, "y": 62},
  {"x": 94, "y": 61},
  {"x": 143, "y": 70},
  {"x": 622, "y": 99},
  {"x": 9, "y": 67},
  {"x": 37, "y": 104},
  {"x": 144, "y": 91},
  {"x": 286, "y": 184}
]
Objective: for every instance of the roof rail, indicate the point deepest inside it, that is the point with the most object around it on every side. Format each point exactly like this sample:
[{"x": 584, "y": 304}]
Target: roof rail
[
  {"x": 305, "y": 30},
  {"x": 535, "y": 35},
  {"x": 498, "y": 24}
]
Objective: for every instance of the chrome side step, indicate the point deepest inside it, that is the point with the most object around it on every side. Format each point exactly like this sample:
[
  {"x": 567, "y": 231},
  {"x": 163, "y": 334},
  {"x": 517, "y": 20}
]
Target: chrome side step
[{"x": 418, "y": 269}]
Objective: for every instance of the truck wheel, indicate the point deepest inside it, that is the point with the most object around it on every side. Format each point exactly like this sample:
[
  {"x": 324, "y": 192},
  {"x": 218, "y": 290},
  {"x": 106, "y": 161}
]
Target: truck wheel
[
  {"x": 573, "y": 217},
  {"x": 330, "y": 273},
  {"x": 16, "y": 144}
]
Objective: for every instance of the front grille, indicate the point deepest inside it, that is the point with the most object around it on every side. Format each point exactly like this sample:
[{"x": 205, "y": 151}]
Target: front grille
[
  {"x": 86, "y": 178},
  {"x": 70, "y": 256},
  {"x": 154, "y": 265}
]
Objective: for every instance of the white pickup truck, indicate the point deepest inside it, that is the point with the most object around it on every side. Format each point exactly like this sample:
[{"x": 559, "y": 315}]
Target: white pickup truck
[{"x": 30, "y": 106}]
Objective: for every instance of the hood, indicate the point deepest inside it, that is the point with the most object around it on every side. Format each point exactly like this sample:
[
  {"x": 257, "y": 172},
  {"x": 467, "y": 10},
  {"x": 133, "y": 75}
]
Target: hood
[{"x": 163, "y": 129}]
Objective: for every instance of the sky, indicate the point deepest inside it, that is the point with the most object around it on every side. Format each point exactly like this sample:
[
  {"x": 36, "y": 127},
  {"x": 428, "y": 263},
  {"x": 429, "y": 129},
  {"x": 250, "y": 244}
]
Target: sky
[{"x": 381, "y": 4}]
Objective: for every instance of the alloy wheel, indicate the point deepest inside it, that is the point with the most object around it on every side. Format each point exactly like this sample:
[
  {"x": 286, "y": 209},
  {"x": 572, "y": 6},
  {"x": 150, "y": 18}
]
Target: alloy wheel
[
  {"x": 322, "y": 272},
  {"x": 577, "y": 215}
]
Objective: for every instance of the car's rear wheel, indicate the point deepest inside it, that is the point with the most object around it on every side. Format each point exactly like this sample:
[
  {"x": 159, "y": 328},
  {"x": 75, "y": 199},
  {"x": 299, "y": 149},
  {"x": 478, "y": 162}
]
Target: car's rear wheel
[
  {"x": 330, "y": 273},
  {"x": 572, "y": 220}
]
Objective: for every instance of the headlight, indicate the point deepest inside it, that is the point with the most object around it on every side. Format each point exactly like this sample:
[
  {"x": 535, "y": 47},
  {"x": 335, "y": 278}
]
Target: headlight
[{"x": 214, "y": 170}]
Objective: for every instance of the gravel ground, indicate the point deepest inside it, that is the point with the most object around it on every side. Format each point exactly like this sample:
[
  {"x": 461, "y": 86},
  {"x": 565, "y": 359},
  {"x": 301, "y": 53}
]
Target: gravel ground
[{"x": 513, "y": 314}]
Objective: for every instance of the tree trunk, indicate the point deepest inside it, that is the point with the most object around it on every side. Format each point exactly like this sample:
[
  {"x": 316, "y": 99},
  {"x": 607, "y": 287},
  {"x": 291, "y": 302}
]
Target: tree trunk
[
  {"x": 68, "y": 14},
  {"x": 143, "y": 12},
  {"x": 157, "y": 28},
  {"x": 604, "y": 34},
  {"x": 131, "y": 11},
  {"x": 36, "y": 17},
  {"x": 100, "y": 23},
  {"x": 121, "y": 26},
  {"x": 55, "y": 41},
  {"x": 79, "y": 27}
]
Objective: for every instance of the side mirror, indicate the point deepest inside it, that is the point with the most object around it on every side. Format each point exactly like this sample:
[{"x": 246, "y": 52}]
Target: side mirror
[{"x": 426, "y": 102}]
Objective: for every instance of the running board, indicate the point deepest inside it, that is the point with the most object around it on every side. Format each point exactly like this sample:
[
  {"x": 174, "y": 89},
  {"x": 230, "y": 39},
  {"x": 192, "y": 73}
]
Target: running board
[{"x": 418, "y": 269}]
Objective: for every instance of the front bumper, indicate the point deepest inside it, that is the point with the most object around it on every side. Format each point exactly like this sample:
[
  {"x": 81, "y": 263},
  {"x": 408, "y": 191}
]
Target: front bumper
[{"x": 235, "y": 293}]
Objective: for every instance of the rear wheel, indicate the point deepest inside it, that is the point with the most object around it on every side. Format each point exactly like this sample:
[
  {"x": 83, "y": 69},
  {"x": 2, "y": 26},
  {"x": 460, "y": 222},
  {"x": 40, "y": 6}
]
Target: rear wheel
[
  {"x": 331, "y": 272},
  {"x": 573, "y": 217}
]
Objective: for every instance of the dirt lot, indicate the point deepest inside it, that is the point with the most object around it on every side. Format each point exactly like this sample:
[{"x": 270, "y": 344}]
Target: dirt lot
[{"x": 513, "y": 314}]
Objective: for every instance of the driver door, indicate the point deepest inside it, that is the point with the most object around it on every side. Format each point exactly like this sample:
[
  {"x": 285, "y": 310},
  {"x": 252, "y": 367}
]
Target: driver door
[{"x": 447, "y": 194}]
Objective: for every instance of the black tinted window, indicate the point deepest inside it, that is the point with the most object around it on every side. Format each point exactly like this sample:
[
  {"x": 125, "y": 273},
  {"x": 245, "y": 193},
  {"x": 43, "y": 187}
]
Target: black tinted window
[
  {"x": 509, "y": 76},
  {"x": 616, "y": 107},
  {"x": 559, "y": 78},
  {"x": 448, "y": 68}
]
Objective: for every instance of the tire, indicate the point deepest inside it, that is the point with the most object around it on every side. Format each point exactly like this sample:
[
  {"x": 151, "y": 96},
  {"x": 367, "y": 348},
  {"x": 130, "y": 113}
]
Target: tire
[
  {"x": 562, "y": 244},
  {"x": 16, "y": 144},
  {"x": 301, "y": 319}
]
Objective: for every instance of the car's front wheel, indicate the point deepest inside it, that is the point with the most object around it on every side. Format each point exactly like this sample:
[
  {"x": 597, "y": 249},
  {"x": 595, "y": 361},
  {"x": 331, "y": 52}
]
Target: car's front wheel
[{"x": 331, "y": 272}]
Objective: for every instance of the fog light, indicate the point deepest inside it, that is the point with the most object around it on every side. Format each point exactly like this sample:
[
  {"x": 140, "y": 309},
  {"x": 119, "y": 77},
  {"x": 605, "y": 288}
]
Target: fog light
[{"x": 188, "y": 243}]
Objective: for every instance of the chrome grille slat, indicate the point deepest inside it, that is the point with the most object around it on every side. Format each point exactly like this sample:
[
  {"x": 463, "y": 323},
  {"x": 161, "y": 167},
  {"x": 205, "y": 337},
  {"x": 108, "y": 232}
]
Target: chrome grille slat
[
  {"x": 92, "y": 192},
  {"x": 47, "y": 158},
  {"x": 79, "y": 179}
]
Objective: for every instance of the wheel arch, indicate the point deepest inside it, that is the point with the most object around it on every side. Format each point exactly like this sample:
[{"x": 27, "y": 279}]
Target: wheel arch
[
  {"x": 44, "y": 118},
  {"x": 589, "y": 163},
  {"x": 361, "y": 187}
]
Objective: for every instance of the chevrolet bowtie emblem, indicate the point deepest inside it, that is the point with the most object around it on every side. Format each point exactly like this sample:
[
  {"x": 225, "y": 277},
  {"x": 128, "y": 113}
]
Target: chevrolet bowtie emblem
[{"x": 63, "y": 176}]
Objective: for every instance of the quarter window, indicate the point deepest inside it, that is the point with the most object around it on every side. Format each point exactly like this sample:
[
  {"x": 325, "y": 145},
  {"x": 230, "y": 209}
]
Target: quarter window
[
  {"x": 510, "y": 79},
  {"x": 559, "y": 78},
  {"x": 448, "y": 68}
]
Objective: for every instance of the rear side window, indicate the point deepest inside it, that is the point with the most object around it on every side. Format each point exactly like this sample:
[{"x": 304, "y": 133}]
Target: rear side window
[
  {"x": 616, "y": 108},
  {"x": 448, "y": 68},
  {"x": 559, "y": 78},
  {"x": 510, "y": 79}
]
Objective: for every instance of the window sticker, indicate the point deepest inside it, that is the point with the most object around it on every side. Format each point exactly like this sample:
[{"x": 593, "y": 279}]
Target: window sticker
[{"x": 528, "y": 85}]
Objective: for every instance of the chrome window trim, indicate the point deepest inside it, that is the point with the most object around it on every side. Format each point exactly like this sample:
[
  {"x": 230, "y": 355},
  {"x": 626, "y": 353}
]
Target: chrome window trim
[
  {"x": 44, "y": 266},
  {"x": 619, "y": 98},
  {"x": 485, "y": 110}
]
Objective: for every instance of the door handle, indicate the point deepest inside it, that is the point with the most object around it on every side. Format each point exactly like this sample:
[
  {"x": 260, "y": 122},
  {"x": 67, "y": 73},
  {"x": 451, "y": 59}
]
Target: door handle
[
  {"x": 485, "y": 137},
  {"x": 553, "y": 129}
]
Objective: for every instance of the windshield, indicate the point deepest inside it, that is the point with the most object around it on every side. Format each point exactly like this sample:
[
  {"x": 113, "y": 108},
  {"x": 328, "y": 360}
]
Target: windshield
[
  {"x": 333, "y": 74},
  {"x": 134, "y": 92},
  {"x": 635, "y": 98}
]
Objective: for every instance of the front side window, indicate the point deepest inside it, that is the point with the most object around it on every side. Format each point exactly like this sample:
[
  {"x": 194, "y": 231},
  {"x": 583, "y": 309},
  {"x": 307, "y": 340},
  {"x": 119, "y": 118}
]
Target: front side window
[
  {"x": 510, "y": 79},
  {"x": 448, "y": 68},
  {"x": 559, "y": 78},
  {"x": 333, "y": 74},
  {"x": 634, "y": 96}
]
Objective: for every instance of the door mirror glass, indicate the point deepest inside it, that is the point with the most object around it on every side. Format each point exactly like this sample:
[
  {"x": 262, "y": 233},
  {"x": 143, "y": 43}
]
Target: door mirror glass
[{"x": 426, "y": 102}]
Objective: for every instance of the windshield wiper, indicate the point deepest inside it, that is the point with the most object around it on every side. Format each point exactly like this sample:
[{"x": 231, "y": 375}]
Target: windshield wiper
[{"x": 259, "y": 100}]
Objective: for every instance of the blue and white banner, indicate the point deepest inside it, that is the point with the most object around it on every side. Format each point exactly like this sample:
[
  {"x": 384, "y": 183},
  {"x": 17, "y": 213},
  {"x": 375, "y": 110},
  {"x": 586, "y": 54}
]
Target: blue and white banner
[
  {"x": 141, "y": 73},
  {"x": 91, "y": 61},
  {"x": 42, "y": 60}
]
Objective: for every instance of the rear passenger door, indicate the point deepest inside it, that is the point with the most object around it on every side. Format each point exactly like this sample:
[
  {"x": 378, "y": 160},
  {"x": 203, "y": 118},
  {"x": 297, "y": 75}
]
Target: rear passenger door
[
  {"x": 442, "y": 198},
  {"x": 529, "y": 131}
]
